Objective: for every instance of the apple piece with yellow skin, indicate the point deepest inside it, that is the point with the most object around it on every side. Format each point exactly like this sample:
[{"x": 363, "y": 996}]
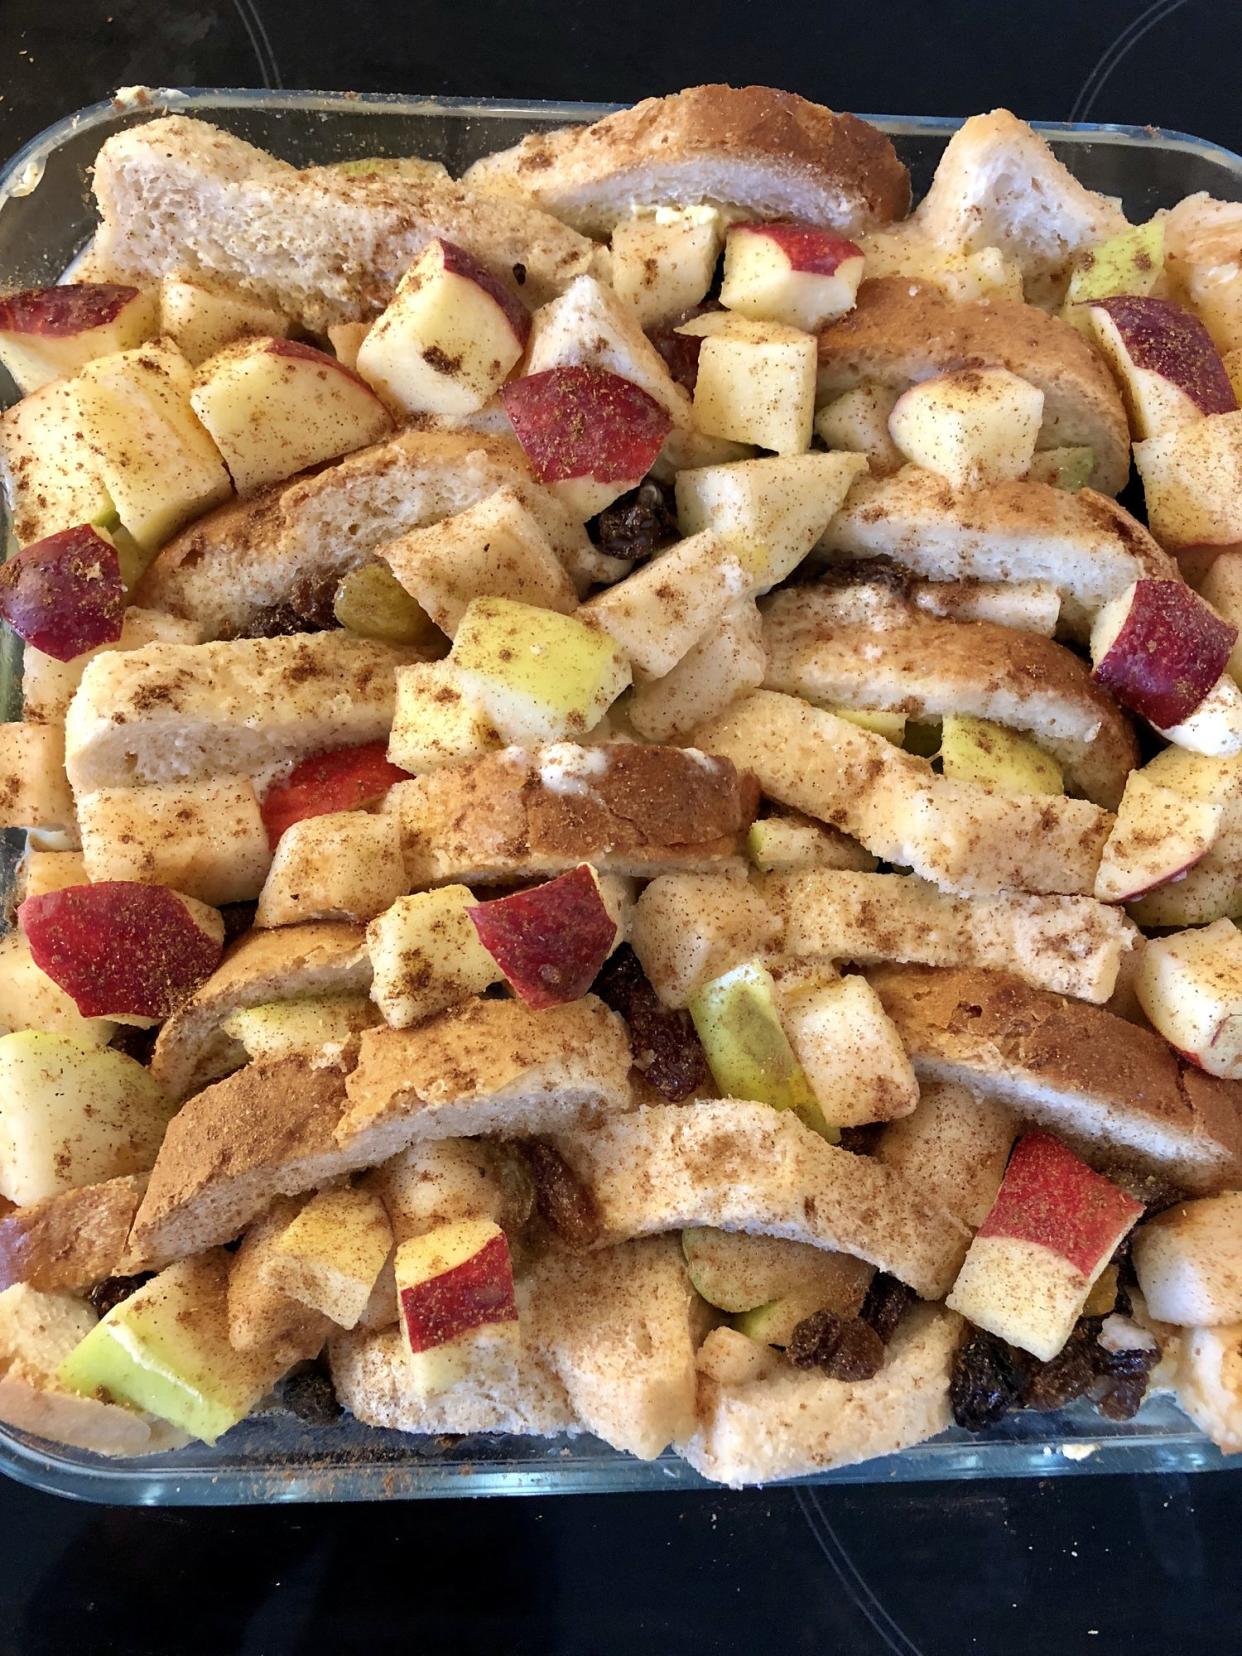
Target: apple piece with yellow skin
[
  {"x": 1131, "y": 262},
  {"x": 976, "y": 750},
  {"x": 48, "y": 333}
]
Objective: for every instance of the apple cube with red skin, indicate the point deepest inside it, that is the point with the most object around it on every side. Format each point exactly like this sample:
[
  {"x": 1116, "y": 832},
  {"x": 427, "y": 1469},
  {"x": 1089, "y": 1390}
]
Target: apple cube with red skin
[
  {"x": 792, "y": 273},
  {"x": 1052, "y": 1229},
  {"x": 458, "y": 1311},
  {"x": 1189, "y": 984},
  {"x": 1159, "y": 835},
  {"x": 551, "y": 941},
  {"x": 588, "y": 434},
  {"x": 339, "y": 779},
  {"x": 49, "y": 332},
  {"x": 449, "y": 337},
  {"x": 64, "y": 594},
  {"x": 275, "y": 406},
  {"x": 121, "y": 949},
  {"x": 1169, "y": 369},
  {"x": 1163, "y": 652}
]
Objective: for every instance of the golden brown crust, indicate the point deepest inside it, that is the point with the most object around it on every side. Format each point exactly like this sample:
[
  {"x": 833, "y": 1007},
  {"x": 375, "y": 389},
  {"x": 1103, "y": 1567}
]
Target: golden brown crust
[
  {"x": 903, "y": 330},
  {"x": 71, "y": 1240},
  {"x": 993, "y": 1023},
  {"x": 750, "y": 126}
]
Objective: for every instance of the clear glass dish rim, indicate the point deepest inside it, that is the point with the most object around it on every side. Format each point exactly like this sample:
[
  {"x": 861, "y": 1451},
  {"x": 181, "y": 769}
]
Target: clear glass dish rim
[{"x": 1078, "y": 1441}]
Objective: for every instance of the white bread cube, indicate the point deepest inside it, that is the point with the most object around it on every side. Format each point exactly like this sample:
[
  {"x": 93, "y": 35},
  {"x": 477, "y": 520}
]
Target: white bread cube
[
  {"x": 343, "y": 865},
  {"x": 436, "y": 722},
  {"x": 689, "y": 928},
  {"x": 426, "y": 955},
  {"x": 206, "y": 839}
]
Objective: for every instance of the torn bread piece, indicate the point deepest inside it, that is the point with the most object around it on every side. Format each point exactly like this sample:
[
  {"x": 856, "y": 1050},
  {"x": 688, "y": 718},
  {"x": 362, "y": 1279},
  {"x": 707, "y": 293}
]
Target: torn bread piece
[
  {"x": 926, "y": 667},
  {"x": 293, "y": 963},
  {"x": 179, "y": 197},
  {"x": 177, "y": 712},
  {"x": 769, "y": 154},
  {"x": 625, "y": 808},
  {"x": 953, "y": 1148},
  {"x": 486, "y": 1066},
  {"x": 1087, "y": 1075},
  {"x": 1086, "y": 545},
  {"x": 1071, "y": 945},
  {"x": 72, "y": 1240},
  {"x": 291, "y": 544},
  {"x": 901, "y": 331},
  {"x": 269, "y": 1130},
  {"x": 792, "y": 1422},
  {"x": 206, "y": 839},
  {"x": 737, "y": 1165},
  {"x": 959, "y": 835},
  {"x": 619, "y": 1327}
]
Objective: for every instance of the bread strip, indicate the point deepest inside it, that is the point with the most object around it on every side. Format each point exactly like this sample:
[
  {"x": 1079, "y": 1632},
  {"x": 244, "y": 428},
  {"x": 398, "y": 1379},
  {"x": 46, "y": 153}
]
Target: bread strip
[
  {"x": 179, "y": 197},
  {"x": 743, "y": 1166},
  {"x": 1086, "y": 1074},
  {"x": 71, "y": 1240},
  {"x": 959, "y": 835},
  {"x": 772, "y": 153}
]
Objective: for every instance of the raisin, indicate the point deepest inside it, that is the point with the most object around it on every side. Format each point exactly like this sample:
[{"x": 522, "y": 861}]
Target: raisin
[
  {"x": 309, "y": 1395},
  {"x": 1154, "y": 1191},
  {"x": 114, "y": 1289},
  {"x": 844, "y": 1348},
  {"x": 308, "y": 608},
  {"x": 238, "y": 918},
  {"x": 565, "y": 1204},
  {"x": 680, "y": 353},
  {"x": 663, "y": 1042},
  {"x": 135, "y": 1043},
  {"x": 885, "y": 1304},
  {"x": 637, "y": 524},
  {"x": 861, "y": 1141},
  {"x": 985, "y": 1383}
]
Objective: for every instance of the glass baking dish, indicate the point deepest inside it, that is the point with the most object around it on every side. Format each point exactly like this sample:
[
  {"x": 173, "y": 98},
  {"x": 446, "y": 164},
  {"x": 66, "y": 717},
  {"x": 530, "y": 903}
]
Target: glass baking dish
[{"x": 46, "y": 217}]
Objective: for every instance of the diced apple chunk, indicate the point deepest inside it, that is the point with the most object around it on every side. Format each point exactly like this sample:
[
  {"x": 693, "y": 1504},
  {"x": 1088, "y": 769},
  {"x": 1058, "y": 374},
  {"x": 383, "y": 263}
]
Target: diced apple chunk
[
  {"x": 449, "y": 337},
  {"x": 1157, "y": 837},
  {"x": 689, "y": 928},
  {"x": 261, "y": 1314},
  {"x": 274, "y": 407},
  {"x": 29, "y": 999},
  {"x": 436, "y": 722},
  {"x": 1064, "y": 468},
  {"x": 54, "y": 331},
  {"x": 157, "y": 463},
  {"x": 756, "y": 384},
  {"x": 1169, "y": 370},
  {"x": 549, "y": 941},
  {"x": 34, "y": 790},
  {"x": 341, "y": 865},
  {"x": 725, "y": 663},
  {"x": 201, "y": 321},
  {"x": 63, "y": 594},
  {"x": 976, "y": 750},
  {"x": 1192, "y": 483},
  {"x": 1221, "y": 587},
  {"x": 737, "y": 1272},
  {"x": 206, "y": 839},
  {"x": 1131, "y": 262},
  {"x": 663, "y": 262},
  {"x": 787, "y": 845},
  {"x": 1189, "y": 1262},
  {"x": 538, "y": 675},
  {"x": 51, "y": 871},
  {"x": 975, "y": 426},
  {"x": 1190, "y": 986},
  {"x": 51, "y": 478},
  {"x": 283, "y": 1029},
  {"x": 892, "y": 726},
  {"x": 457, "y": 1306},
  {"x": 331, "y": 1254},
  {"x": 953, "y": 1148},
  {"x": 796, "y": 274},
  {"x": 660, "y": 611},
  {"x": 426, "y": 955},
  {"x": 857, "y": 421},
  {"x": 850, "y": 1052},
  {"x": 494, "y": 549}
]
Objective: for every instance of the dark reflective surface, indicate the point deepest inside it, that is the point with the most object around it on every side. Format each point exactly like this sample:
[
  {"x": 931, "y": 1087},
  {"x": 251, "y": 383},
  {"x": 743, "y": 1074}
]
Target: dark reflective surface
[{"x": 1065, "y": 1567}]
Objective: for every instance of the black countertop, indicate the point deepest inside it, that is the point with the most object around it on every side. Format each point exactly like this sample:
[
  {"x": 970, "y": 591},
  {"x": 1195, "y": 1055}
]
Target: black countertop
[{"x": 1061, "y": 1567}]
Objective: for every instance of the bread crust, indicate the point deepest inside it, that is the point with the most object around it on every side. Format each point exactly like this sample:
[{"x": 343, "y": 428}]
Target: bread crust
[
  {"x": 837, "y": 163},
  {"x": 71, "y": 1240},
  {"x": 902, "y": 330},
  {"x": 1079, "y": 1069}
]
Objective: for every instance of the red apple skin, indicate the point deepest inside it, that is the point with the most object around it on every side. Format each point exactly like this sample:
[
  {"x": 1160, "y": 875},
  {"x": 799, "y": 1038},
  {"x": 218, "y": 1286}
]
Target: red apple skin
[
  {"x": 473, "y": 1294},
  {"x": 279, "y": 347},
  {"x": 460, "y": 263},
  {"x": 338, "y": 779},
  {"x": 549, "y": 942},
  {"x": 119, "y": 948},
  {"x": 817, "y": 252},
  {"x": 1170, "y": 651},
  {"x": 1158, "y": 885},
  {"x": 62, "y": 311},
  {"x": 64, "y": 594},
  {"x": 1164, "y": 339},
  {"x": 585, "y": 422},
  {"x": 1051, "y": 1197}
]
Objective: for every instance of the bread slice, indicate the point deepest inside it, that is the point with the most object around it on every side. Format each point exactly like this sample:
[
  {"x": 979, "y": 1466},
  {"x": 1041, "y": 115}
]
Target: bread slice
[
  {"x": 291, "y": 544},
  {"x": 174, "y": 712},
  {"x": 954, "y": 1148},
  {"x": 267, "y": 1131},
  {"x": 901, "y": 331},
  {"x": 522, "y": 812},
  {"x": 372, "y": 1378},
  {"x": 71, "y": 1240},
  {"x": 1087, "y": 1075},
  {"x": 1090, "y": 548},
  {"x": 959, "y": 835},
  {"x": 795, "y": 1422},
  {"x": 926, "y": 666},
  {"x": 179, "y": 197},
  {"x": 737, "y": 1165},
  {"x": 769, "y": 153},
  {"x": 325, "y": 958},
  {"x": 48, "y": 685},
  {"x": 998, "y": 184},
  {"x": 618, "y": 1326},
  {"x": 1071, "y": 945},
  {"x": 261, "y": 1314},
  {"x": 486, "y": 1066}
]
